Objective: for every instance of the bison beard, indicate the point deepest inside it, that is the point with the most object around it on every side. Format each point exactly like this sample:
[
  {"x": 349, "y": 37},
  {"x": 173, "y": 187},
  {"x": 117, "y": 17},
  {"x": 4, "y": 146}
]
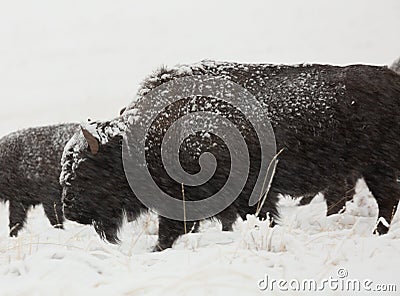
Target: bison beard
[{"x": 332, "y": 122}]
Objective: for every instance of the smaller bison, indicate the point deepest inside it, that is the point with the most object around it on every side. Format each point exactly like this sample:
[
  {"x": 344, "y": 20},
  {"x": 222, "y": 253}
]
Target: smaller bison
[{"x": 29, "y": 171}]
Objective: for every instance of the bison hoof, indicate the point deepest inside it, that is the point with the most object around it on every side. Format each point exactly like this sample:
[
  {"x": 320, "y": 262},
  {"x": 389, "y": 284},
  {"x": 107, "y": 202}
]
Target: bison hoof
[
  {"x": 157, "y": 248},
  {"x": 227, "y": 228},
  {"x": 14, "y": 233},
  {"x": 161, "y": 247},
  {"x": 14, "y": 230},
  {"x": 381, "y": 229},
  {"x": 59, "y": 226}
]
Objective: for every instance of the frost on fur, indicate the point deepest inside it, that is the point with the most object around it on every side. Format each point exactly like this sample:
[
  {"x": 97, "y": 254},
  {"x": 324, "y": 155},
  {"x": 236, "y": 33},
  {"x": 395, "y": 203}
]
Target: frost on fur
[{"x": 29, "y": 170}]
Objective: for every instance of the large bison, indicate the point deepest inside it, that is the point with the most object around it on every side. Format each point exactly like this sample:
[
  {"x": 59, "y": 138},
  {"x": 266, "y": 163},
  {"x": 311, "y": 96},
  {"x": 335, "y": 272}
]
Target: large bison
[
  {"x": 29, "y": 170},
  {"x": 330, "y": 122}
]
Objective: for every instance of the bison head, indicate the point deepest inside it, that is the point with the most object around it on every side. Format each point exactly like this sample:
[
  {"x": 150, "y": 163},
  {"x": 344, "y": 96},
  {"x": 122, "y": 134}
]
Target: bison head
[{"x": 95, "y": 189}]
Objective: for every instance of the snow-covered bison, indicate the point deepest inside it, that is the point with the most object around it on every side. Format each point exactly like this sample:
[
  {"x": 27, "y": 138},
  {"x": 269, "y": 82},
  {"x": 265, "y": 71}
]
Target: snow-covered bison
[
  {"x": 331, "y": 122},
  {"x": 29, "y": 170}
]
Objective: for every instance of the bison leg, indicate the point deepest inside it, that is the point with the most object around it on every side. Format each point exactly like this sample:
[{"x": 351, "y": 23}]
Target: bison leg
[
  {"x": 227, "y": 218},
  {"x": 54, "y": 213},
  {"x": 343, "y": 194},
  {"x": 228, "y": 225},
  {"x": 351, "y": 182},
  {"x": 168, "y": 232},
  {"x": 270, "y": 208},
  {"x": 18, "y": 214},
  {"x": 196, "y": 227},
  {"x": 306, "y": 199},
  {"x": 336, "y": 197},
  {"x": 382, "y": 182}
]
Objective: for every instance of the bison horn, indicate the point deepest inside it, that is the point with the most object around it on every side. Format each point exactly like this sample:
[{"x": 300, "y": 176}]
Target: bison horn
[
  {"x": 122, "y": 111},
  {"x": 91, "y": 140}
]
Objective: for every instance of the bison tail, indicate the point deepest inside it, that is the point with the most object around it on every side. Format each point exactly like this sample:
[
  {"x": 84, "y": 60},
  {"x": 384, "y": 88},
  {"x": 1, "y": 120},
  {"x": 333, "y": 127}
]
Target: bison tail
[{"x": 396, "y": 66}]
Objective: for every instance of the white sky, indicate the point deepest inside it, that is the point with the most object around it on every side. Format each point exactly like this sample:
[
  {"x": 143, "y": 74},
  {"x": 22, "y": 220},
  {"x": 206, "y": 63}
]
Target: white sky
[{"x": 66, "y": 61}]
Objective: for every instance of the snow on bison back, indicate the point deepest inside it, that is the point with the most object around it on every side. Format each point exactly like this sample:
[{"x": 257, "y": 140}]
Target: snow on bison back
[
  {"x": 30, "y": 165},
  {"x": 330, "y": 122}
]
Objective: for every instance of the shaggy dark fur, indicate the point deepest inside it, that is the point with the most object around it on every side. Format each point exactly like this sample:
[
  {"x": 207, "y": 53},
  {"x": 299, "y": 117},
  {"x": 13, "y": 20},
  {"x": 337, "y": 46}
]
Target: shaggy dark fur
[
  {"x": 29, "y": 171},
  {"x": 332, "y": 122}
]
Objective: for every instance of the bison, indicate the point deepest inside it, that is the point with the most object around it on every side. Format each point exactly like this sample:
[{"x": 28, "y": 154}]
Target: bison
[
  {"x": 330, "y": 122},
  {"x": 30, "y": 165}
]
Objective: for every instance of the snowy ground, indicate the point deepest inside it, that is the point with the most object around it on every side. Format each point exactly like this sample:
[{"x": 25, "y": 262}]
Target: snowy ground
[
  {"x": 308, "y": 245},
  {"x": 72, "y": 60}
]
